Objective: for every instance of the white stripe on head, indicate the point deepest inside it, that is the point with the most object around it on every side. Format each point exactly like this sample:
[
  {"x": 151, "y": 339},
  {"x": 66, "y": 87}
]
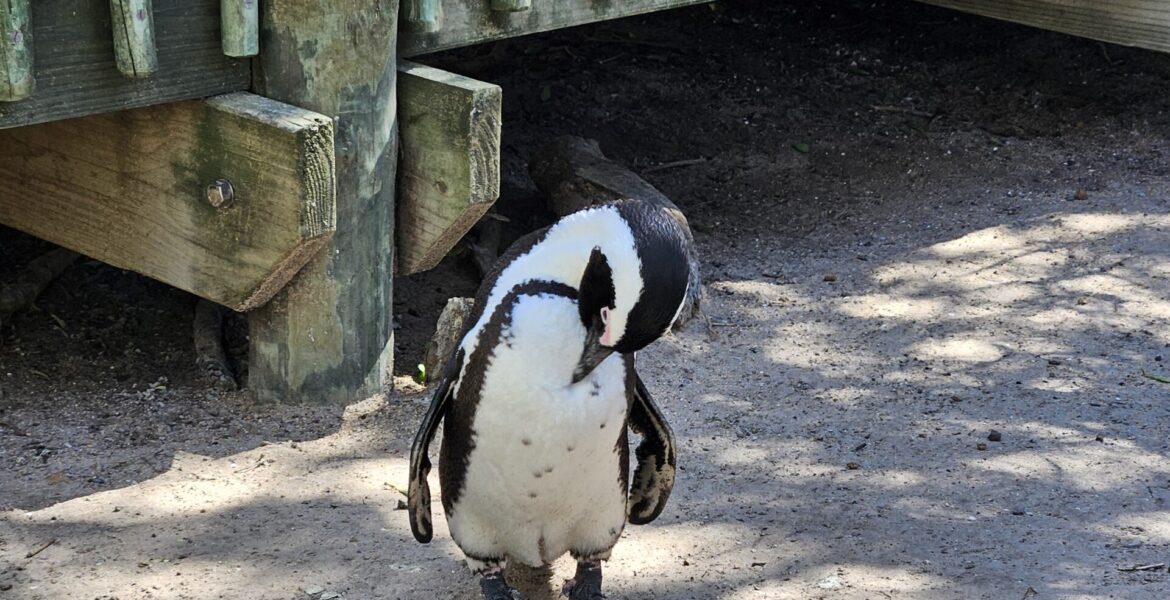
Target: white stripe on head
[{"x": 562, "y": 256}]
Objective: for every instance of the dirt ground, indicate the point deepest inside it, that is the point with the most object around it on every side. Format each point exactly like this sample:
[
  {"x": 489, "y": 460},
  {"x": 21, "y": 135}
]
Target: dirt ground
[{"x": 918, "y": 227}]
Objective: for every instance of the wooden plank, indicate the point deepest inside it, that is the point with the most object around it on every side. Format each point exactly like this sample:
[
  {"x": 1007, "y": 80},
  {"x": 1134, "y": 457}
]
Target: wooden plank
[
  {"x": 422, "y": 15},
  {"x": 76, "y": 71},
  {"x": 130, "y": 189},
  {"x": 467, "y": 22},
  {"x": 16, "y": 63},
  {"x": 327, "y": 336},
  {"x": 133, "y": 29},
  {"x": 449, "y": 171},
  {"x": 240, "y": 24},
  {"x": 1141, "y": 23}
]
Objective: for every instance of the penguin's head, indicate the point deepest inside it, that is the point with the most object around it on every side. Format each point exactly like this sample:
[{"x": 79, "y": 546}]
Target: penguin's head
[{"x": 629, "y": 299}]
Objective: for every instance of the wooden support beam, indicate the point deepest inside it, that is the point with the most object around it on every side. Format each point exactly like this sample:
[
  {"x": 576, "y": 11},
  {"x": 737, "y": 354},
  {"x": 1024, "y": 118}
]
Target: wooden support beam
[
  {"x": 511, "y": 5},
  {"x": 422, "y": 16},
  {"x": 449, "y": 173},
  {"x": 133, "y": 26},
  {"x": 467, "y": 22},
  {"x": 130, "y": 189},
  {"x": 240, "y": 27},
  {"x": 16, "y": 62},
  {"x": 1141, "y": 23},
  {"x": 327, "y": 336},
  {"x": 77, "y": 74}
]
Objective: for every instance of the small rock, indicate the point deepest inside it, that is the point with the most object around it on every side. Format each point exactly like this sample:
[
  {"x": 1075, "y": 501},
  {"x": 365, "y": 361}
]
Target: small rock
[
  {"x": 981, "y": 446},
  {"x": 994, "y": 436},
  {"x": 832, "y": 582},
  {"x": 313, "y": 590},
  {"x": 401, "y": 505},
  {"x": 1099, "y": 438},
  {"x": 1082, "y": 301},
  {"x": 1132, "y": 544},
  {"x": 852, "y": 466},
  {"x": 1056, "y": 362},
  {"x": 830, "y": 277},
  {"x": 1081, "y": 194},
  {"x": 1019, "y": 510}
]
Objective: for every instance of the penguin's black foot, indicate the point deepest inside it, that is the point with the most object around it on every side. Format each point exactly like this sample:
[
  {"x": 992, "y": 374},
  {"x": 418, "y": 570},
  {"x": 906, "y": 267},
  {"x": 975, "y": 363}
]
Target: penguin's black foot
[
  {"x": 495, "y": 588},
  {"x": 586, "y": 584}
]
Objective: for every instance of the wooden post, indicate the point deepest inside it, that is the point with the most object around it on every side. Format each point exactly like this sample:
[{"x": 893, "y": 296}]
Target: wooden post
[
  {"x": 511, "y": 5},
  {"x": 133, "y": 27},
  {"x": 422, "y": 16},
  {"x": 16, "y": 63},
  {"x": 240, "y": 27},
  {"x": 327, "y": 335}
]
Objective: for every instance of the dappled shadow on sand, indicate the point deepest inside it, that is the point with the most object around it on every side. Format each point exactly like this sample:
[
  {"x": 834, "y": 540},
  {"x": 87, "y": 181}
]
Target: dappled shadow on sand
[{"x": 834, "y": 443}]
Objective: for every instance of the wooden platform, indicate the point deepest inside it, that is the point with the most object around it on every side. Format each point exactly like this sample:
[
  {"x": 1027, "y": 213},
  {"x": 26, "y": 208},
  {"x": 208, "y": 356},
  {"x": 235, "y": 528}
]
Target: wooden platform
[
  {"x": 1141, "y": 23},
  {"x": 76, "y": 71}
]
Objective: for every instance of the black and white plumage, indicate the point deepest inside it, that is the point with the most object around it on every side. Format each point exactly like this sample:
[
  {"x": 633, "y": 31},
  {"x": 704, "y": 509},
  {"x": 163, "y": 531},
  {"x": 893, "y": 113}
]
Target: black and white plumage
[{"x": 537, "y": 398}]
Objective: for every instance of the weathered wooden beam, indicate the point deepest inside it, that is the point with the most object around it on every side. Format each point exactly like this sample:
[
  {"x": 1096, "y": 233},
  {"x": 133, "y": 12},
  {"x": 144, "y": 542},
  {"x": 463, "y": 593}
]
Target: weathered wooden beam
[
  {"x": 1141, "y": 23},
  {"x": 133, "y": 26},
  {"x": 449, "y": 174},
  {"x": 240, "y": 27},
  {"x": 511, "y": 5},
  {"x": 327, "y": 336},
  {"x": 16, "y": 61},
  {"x": 423, "y": 16},
  {"x": 130, "y": 189},
  {"x": 467, "y": 22},
  {"x": 77, "y": 74}
]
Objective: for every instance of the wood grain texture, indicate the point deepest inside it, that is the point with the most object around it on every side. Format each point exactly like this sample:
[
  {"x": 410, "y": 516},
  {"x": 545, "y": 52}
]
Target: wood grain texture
[
  {"x": 133, "y": 30},
  {"x": 129, "y": 189},
  {"x": 327, "y": 336},
  {"x": 76, "y": 71},
  {"x": 16, "y": 62},
  {"x": 467, "y": 22},
  {"x": 240, "y": 27},
  {"x": 1141, "y": 23},
  {"x": 449, "y": 173}
]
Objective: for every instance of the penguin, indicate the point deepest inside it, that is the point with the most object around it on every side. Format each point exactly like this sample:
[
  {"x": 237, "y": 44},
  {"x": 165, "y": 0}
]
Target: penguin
[{"x": 537, "y": 398}]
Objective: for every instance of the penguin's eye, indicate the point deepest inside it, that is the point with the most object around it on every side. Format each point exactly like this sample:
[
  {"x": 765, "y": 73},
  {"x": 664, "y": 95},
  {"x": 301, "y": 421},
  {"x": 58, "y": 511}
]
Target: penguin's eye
[{"x": 605, "y": 315}]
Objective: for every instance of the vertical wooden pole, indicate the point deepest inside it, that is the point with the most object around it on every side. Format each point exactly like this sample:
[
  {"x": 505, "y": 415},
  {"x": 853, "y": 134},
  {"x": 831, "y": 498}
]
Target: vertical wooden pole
[
  {"x": 511, "y": 5},
  {"x": 422, "y": 16},
  {"x": 240, "y": 27},
  {"x": 133, "y": 28},
  {"x": 16, "y": 61},
  {"x": 327, "y": 335}
]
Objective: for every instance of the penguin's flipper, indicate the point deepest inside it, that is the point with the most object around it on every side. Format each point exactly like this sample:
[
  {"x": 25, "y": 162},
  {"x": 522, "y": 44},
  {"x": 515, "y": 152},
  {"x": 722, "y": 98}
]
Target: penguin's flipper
[
  {"x": 654, "y": 476},
  {"x": 418, "y": 496}
]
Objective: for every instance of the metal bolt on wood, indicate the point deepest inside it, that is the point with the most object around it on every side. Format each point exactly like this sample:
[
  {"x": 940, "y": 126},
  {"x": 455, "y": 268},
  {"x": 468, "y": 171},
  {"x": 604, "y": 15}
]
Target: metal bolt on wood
[{"x": 220, "y": 193}]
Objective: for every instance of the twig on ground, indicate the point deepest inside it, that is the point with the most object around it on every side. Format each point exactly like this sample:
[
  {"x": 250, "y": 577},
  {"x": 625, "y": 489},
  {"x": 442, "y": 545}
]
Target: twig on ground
[
  {"x": 41, "y": 549},
  {"x": 675, "y": 164},
  {"x": 1151, "y": 567}
]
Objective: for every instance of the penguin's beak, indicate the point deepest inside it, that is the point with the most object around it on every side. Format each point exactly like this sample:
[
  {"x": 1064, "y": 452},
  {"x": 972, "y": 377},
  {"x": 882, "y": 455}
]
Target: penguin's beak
[{"x": 593, "y": 354}]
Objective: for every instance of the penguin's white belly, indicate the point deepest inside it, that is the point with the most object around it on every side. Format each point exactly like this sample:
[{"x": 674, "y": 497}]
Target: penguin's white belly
[{"x": 543, "y": 477}]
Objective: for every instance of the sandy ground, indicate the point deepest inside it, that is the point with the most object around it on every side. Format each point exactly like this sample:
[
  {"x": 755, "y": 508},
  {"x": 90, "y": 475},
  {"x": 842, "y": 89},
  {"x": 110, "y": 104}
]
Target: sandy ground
[{"x": 918, "y": 228}]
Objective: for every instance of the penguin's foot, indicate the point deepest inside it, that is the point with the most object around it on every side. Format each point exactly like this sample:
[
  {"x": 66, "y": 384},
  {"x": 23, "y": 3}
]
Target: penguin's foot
[
  {"x": 586, "y": 584},
  {"x": 495, "y": 588}
]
